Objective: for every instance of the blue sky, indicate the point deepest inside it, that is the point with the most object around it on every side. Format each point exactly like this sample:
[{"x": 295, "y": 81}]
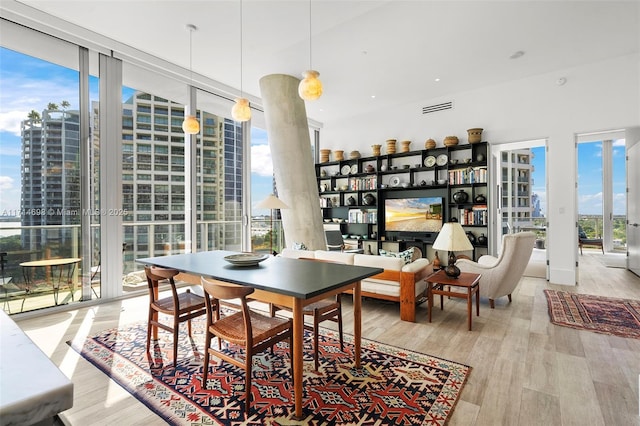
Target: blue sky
[{"x": 30, "y": 84}]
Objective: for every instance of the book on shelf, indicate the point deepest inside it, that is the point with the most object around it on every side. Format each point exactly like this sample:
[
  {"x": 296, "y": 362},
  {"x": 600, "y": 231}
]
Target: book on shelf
[
  {"x": 477, "y": 215},
  {"x": 470, "y": 175}
]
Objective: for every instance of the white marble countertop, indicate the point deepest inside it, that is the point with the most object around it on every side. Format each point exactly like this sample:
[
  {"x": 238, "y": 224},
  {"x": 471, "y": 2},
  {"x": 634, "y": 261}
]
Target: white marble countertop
[{"x": 32, "y": 387}]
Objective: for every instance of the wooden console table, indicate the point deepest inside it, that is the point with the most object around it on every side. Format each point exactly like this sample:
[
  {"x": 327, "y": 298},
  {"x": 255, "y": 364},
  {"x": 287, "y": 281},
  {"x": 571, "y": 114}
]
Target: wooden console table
[{"x": 436, "y": 285}]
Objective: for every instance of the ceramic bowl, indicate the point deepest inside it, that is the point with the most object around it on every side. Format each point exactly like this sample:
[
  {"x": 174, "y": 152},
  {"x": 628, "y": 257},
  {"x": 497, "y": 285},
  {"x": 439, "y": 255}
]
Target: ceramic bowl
[{"x": 441, "y": 181}]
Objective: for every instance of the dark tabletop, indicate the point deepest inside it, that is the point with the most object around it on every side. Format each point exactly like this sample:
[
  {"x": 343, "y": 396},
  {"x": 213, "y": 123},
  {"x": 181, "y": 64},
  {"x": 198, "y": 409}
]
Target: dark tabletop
[{"x": 300, "y": 278}]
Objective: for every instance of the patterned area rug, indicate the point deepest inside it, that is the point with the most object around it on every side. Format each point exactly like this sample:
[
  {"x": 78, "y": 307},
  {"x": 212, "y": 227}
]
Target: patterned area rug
[
  {"x": 394, "y": 387},
  {"x": 619, "y": 317}
]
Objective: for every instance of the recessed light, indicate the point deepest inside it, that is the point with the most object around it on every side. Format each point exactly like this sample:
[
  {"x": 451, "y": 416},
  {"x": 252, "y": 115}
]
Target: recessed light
[
  {"x": 373, "y": 96},
  {"x": 517, "y": 54},
  {"x": 437, "y": 79}
]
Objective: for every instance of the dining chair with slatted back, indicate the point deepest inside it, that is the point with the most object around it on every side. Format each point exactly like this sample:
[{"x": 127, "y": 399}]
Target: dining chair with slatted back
[
  {"x": 246, "y": 328},
  {"x": 182, "y": 306},
  {"x": 329, "y": 309}
]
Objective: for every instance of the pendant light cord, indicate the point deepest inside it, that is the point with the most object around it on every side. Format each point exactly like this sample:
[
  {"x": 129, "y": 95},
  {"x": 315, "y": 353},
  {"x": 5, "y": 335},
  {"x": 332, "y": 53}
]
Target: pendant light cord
[
  {"x": 241, "y": 68},
  {"x": 191, "y": 54},
  {"x": 310, "y": 56}
]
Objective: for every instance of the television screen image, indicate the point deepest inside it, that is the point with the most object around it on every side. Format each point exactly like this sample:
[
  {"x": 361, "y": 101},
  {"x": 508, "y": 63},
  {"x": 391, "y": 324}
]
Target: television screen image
[{"x": 422, "y": 214}]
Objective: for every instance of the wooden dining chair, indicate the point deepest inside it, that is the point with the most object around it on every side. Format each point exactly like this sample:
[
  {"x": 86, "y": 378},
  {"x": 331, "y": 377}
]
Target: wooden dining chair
[
  {"x": 249, "y": 329},
  {"x": 323, "y": 310},
  {"x": 182, "y": 306}
]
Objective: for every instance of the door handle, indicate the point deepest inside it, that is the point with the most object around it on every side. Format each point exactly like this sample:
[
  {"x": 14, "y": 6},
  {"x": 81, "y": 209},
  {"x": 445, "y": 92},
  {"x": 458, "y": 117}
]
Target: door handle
[{"x": 635, "y": 225}]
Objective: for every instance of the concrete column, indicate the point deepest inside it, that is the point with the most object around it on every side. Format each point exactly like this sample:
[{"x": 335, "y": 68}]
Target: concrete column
[{"x": 288, "y": 133}]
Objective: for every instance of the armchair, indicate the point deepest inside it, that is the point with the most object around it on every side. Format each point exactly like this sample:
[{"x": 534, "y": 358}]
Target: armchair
[
  {"x": 501, "y": 275},
  {"x": 335, "y": 242}
]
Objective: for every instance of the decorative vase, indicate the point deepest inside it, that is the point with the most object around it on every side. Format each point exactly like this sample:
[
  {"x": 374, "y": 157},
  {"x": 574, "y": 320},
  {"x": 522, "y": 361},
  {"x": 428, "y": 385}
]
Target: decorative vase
[
  {"x": 351, "y": 201},
  {"x": 480, "y": 198},
  {"x": 405, "y": 146},
  {"x": 480, "y": 157},
  {"x": 475, "y": 135},
  {"x": 472, "y": 238},
  {"x": 482, "y": 240},
  {"x": 450, "y": 141},
  {"x": 338, "y": 155},
  {"x": 354, "y": 155},
  {"x": 391, "y": 146},
  {"x": 368, "y": 200},
  {"x": 460, "y": 197},
  {"x": 324, "y": 155},
  {"x": 376, "y": 150},
  {"x": 436, "y": 262},
  {"x": 370, "y": 168},
  {"x": 430, "y": 144}
]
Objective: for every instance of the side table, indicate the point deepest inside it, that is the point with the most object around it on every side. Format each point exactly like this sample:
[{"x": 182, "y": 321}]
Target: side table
[{"x": 436, "y": 285}]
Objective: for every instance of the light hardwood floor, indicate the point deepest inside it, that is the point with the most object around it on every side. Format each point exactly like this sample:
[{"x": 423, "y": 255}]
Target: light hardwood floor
[{"x": 526, "y": 371}]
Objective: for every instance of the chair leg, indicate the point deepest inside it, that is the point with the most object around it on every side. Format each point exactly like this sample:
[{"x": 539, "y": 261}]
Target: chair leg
[
  {"x": 176, "y": 330},
  {"x": 149, "y": 327},
  {"x": 509, "y": 296},
  {"x": 205, "y": 369},
  {"x": 492, "y": 303},
  {"x": 247, "y": 391}
]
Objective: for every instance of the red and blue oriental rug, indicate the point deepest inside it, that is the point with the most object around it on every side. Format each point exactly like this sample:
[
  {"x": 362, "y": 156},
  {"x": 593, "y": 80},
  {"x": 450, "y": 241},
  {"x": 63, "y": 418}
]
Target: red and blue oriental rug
[
  {"x": 608, "y": 315},
  {"x": 394, "y": 387}
]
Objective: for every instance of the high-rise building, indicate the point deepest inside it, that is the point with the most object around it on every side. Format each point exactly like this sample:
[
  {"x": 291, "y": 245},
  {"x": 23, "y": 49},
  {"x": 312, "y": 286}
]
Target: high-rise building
[
  {"x": 517, "y": 186},
  {"x": 50, "y": 177}
]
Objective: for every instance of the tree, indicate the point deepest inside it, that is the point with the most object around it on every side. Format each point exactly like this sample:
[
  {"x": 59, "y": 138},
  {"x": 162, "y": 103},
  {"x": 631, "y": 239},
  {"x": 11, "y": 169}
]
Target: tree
[
  {"x": 52, "y": 106},
  {"x": 65, "y": 105},
  {"x": 34, "y": 116}
]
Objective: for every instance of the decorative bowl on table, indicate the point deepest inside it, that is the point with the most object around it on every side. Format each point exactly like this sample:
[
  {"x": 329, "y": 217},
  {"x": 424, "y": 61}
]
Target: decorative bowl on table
[{"x": 246, "y": 259}]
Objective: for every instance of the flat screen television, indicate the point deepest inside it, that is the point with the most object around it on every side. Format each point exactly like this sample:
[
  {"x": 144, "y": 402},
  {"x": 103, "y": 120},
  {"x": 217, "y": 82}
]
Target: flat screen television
[{"x": 420, "y": 214}]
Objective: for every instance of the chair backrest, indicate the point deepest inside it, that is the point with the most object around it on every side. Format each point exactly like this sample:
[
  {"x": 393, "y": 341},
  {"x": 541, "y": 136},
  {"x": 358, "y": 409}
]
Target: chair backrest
[
  {"x": 335, "y": 242},
  {"x": 513, "y": 259},
  {"x": 155, "y": 274},
  {"x": 218, "y": 291}
]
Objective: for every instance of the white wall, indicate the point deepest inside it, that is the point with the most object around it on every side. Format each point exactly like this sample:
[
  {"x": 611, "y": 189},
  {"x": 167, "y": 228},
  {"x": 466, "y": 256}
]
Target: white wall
[{"x": 596, "y": 97}]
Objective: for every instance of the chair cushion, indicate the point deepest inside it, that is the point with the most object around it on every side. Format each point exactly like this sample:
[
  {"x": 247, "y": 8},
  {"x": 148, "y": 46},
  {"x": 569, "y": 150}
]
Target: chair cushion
[
  {"x": 335, "y": 256},
  {"x": 296, "y": 254}
]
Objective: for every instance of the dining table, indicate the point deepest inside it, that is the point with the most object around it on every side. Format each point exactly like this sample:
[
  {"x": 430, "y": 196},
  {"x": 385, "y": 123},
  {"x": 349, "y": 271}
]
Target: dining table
[{"x": 293, "y": 283}]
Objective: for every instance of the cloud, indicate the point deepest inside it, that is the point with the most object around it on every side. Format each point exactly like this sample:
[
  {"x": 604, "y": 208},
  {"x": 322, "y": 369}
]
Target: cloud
[
  {"x": 590, "y": 203},
  {"x": 619, "y": 142},
  {"x": 6, "y": 183},
  {"x": 261, "y": 163}
]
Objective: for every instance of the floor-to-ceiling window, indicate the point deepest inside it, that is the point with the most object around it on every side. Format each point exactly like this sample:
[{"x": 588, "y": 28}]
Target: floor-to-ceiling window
[{"x": 40, "y": 170}]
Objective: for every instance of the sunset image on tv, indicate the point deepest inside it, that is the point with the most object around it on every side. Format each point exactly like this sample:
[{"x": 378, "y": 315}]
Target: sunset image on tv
[{"x": 413, "y": 214}]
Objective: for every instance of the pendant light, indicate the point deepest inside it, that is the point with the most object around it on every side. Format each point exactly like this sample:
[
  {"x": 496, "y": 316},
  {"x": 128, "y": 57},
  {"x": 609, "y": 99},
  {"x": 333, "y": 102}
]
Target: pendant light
[
  {"x": 190, "y": 124},
  {"x": 310, "y": 88},
  {"x": 241, "y": 111}
]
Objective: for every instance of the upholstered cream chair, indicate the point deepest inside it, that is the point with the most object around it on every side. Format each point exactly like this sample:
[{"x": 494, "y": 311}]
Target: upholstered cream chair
[{"x": 501, "y": 275}]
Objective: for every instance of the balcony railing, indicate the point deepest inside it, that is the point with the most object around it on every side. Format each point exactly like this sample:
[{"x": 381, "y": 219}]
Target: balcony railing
[{"x": 141, "y": 239}]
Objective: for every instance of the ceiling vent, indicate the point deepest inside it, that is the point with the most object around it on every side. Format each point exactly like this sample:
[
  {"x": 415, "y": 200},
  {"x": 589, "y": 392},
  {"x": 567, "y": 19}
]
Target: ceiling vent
[{"x": 437, "y": 107}]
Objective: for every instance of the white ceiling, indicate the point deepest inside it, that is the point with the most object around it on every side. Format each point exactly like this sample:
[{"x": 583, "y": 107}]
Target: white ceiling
[{"x": 393, "y": 50}]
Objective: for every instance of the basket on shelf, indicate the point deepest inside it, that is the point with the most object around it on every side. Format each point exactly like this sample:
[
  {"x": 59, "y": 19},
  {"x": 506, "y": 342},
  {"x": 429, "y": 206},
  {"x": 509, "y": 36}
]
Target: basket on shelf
[
  {"x": 475, "y": 135},
  {"x": 324, "y": 155},
  {"x": 430, "y": 144},
  {"x": 450, "y": 141},
  {"x": 391, "y": 146}
]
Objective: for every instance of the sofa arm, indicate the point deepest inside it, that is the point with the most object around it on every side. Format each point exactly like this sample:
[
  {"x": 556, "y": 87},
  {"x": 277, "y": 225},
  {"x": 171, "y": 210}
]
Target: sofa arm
[{"x": 416, "y": 266}]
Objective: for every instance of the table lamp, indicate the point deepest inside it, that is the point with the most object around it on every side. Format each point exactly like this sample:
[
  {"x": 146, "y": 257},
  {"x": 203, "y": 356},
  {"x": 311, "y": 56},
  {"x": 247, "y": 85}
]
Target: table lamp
[
  {"x": 452, "y": 238},
  {"x": 271, "y": 202}
]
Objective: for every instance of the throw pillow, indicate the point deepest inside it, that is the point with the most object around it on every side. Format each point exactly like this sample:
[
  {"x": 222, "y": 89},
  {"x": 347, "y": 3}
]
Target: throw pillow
[
  {"x": 406, "y": 256},
  {"x": 299, "y": 246}
]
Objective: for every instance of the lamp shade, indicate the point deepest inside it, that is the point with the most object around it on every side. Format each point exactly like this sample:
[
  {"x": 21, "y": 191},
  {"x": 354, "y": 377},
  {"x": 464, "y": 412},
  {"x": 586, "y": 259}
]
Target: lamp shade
[
  {"x": 272, "y": 202},
  {"x": 452, "y": 238},
  {"x": 241, "y": 110},
  {"x": 190, "y": 125},
  {"x": 310, "y": 88}
]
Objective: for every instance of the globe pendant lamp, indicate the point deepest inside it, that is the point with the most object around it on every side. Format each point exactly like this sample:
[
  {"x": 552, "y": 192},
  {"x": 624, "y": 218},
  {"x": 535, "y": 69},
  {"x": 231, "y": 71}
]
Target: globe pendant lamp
[
  {"x": 310, "y": 87},
  {"x": 241, "y": 111},
  {"x": 190, "y": 125}
]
